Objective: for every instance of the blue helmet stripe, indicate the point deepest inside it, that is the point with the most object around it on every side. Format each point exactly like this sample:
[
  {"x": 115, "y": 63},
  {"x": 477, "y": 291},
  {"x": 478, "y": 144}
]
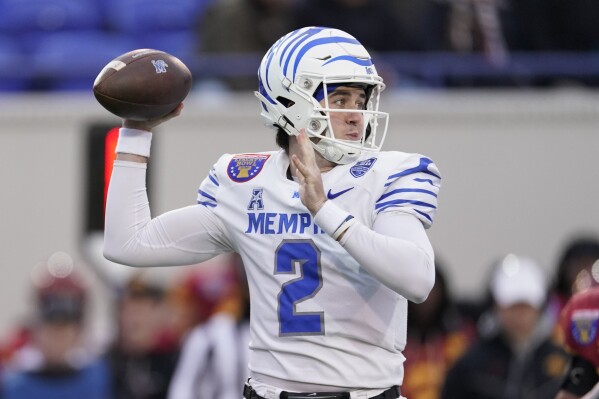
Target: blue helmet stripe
[
  {"x": 271, "y": 54},
  {"x": 263, "y": 91},
  {"x": 268, "y": 69},
  {"x": 319, "y": 42},
  {"x": 302, "y": 38},
  {"x": 300, "y": 35},
  {"x": 355, "y": 60},
  {"x": 293, "y": 37}
]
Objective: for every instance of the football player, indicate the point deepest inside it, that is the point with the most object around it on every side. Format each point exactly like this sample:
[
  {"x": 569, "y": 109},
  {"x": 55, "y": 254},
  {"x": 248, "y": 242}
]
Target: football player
[
  {"x": 579, "y": 324},
  {"x": 330, "y": 228}
]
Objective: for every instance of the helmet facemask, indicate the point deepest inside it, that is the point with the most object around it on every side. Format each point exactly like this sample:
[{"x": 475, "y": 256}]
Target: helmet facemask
[{"x": 336, "y": 149}]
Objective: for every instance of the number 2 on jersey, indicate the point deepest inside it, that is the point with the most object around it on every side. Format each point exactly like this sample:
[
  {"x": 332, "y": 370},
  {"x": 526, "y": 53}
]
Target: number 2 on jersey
[{"x": 289, "y": 256}]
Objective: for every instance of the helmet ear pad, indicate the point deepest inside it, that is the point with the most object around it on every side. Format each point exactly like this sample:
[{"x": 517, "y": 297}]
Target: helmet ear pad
[{"x": 300, "y": 110}]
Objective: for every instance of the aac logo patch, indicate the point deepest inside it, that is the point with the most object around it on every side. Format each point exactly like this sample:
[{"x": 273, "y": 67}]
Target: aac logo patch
[
  {"x": 361, "y": 167},
  {"x": 256, "y": 202},
  {"x": 244, "y": 167}
]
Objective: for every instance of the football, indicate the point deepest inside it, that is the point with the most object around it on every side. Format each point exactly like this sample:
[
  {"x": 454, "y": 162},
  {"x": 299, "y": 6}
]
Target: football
[{"x": 142, "y": 84}]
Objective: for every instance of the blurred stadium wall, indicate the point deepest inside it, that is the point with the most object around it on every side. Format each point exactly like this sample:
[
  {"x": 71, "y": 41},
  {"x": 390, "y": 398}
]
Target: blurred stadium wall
[{"x": 520, "y": 174}]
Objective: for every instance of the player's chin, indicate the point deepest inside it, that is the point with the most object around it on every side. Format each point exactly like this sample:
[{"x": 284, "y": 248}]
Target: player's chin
[{"x": 352, "y": 137}]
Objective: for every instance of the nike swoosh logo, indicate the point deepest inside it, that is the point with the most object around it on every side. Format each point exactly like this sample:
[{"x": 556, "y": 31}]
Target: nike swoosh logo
[{"x": 331, "y": 195}]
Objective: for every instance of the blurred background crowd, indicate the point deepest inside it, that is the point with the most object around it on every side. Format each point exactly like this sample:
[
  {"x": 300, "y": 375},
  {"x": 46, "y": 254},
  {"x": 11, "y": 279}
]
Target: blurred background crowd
[
  {"x": 188, "y": 338},
  {"x": 59, "y": 44}
]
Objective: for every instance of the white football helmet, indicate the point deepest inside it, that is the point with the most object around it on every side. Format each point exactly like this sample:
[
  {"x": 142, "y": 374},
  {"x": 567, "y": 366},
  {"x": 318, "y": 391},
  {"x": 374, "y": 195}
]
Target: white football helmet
[{"x": 301, "y": 69}]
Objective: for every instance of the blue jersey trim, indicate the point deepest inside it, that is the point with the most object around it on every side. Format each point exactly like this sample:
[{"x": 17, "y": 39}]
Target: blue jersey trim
[
  {"x": 213, "y": 179},
  {"x": 406, "y": 190},
  {"x": 205, "y": 194},
  {"x": 425, "y": 215},
  {"x": 421, "y": 168},
  {"x": 429, "y": 181},
  {"x": 401, "y": 202}
]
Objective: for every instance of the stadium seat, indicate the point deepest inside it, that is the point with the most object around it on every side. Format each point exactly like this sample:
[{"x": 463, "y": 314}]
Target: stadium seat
[
  {"x": 14, "y": 71},
  {"x": 147, "y": 16},
  {"x": 181, "y": 44},
  {"x": 72, "y": 60},
  {"x": 23, "y": 16}
]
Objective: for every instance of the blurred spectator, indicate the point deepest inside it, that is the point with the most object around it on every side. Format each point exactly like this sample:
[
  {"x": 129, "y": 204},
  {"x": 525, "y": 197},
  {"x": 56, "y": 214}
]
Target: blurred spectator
[
  {"x": 526, "y": 25},
  {"x": 370, "y": 21},
  {"x": 492, "y": 26},
  {"x": 143, "y": 357},
  {"x": 578, "y": 323},
  {"x": 514, "y": 359},
  {"x": 551, "y": 25},
  {"x": 438, "y": 334},
  {"x": 422, "y": 24},
  {"x": 199, "y": 294},
  {"x": 578, "y": 280},
  {"x": 574, "y": 267},
  {"x": 575, "y": 25},
  {"x": 214, "y": 356},
  {"x": 230, "y": 27},
  {"x": 473, "y": 26},
  {"x": 573, "y": 272},
  {"x": 57, "y": 363}
]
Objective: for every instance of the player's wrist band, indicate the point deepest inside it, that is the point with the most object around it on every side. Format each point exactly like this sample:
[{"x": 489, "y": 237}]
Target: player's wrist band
[
  {"x": 347, "y": 223},
  {"x": 134, "y": 141},
  {"x": 333, "y": 220}
]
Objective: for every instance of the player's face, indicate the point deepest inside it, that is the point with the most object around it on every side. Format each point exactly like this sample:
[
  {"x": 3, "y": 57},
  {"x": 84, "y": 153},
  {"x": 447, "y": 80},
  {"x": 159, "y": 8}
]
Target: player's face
[{"x": 347, "y": 125}]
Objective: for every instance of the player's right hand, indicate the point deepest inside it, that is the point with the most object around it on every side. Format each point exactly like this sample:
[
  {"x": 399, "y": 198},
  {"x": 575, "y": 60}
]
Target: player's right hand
[
  {"x": 150, "y": 124},
  {"x": 311, "y": 189}
]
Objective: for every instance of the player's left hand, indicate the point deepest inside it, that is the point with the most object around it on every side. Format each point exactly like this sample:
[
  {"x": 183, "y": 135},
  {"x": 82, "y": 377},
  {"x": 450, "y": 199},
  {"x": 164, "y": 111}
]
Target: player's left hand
[{"x": 311, "y": 189}]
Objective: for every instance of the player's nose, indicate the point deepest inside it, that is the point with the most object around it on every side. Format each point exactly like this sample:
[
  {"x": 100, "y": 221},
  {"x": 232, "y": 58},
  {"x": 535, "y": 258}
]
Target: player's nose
[{"x": 353, "y": 117}]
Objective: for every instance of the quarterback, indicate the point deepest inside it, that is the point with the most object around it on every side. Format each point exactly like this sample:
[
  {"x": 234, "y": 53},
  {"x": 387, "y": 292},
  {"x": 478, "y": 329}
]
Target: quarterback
[{"x": 331, "y": 230}]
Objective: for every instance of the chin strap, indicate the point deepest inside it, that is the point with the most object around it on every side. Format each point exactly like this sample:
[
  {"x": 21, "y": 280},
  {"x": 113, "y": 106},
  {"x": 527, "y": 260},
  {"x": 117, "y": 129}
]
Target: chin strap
[{"x": 331, "y": 152}]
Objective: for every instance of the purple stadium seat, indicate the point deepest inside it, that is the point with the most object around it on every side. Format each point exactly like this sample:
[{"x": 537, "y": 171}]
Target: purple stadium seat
[
  {"x": 23, "y": 16},
  {"x": 72, "y": 60},
  {"x": 146, "y": 16},
  {"x": 14, "y": 72}
]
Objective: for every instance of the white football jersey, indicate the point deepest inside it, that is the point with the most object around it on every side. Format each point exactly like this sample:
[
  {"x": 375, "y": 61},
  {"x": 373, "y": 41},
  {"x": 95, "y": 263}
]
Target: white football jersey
[{"x": 317, "y": 317}]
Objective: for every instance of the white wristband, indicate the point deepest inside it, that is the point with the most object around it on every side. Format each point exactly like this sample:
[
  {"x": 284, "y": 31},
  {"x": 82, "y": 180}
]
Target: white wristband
[
  {"x": 347, "y": 223},
  {"x": 134, "y": 141},
  {"x": 332, "y": 219}
]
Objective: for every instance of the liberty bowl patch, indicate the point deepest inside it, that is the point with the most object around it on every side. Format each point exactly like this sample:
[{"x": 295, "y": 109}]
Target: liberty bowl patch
[
  {"x": 584, "y": 326},
  {"x": 361, "y": 167},
  {"x": 244, "y": 167}
]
